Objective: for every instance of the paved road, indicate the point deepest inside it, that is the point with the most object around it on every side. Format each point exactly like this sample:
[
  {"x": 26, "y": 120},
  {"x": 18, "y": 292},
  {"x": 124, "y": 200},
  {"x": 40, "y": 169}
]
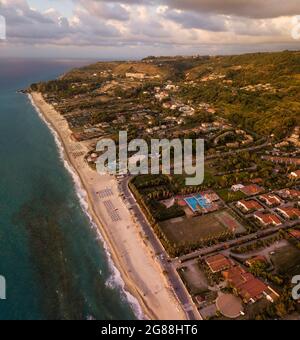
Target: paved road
[
  {"x": 176, "y": 283},
  {"x": 237, "y": 242}
]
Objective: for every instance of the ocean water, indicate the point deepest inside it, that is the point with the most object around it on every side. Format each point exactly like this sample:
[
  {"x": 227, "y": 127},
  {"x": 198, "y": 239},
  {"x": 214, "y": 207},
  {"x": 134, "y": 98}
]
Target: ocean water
[{"x": 54, "y": 261}]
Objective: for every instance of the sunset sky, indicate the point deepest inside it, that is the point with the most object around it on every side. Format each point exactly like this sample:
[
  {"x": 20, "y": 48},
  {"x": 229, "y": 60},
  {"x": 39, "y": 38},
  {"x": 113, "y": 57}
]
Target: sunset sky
[{"x": 137, "y": 28}]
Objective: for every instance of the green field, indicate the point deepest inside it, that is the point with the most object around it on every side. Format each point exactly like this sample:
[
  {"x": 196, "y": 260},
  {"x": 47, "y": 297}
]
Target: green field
[
  {"x": 287, "y": 261},
  {"x": 229, "y": 196},
  {"x": 190, "y": 230}
]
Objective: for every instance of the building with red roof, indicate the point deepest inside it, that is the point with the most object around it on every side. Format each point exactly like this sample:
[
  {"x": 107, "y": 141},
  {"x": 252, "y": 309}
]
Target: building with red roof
[
  {"x": 271, "y": 200},
  {"x": 289, "y": 212},
  {"x": 250, "y": 205},
  {"x": 268, "y": 219},
  {"x": 252, "y": 190},
  {"x": 249, "y": 288},
  {"x": 218, "y": 263}
]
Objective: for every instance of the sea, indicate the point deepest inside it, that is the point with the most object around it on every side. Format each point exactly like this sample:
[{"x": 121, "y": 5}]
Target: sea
[{"x": 52, "y": 257}]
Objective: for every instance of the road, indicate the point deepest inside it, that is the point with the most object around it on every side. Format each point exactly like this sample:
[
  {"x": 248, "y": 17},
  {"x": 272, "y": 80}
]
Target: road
[
  {"x": 237, "y": 242},
  {"x": 168, "y": 267}
]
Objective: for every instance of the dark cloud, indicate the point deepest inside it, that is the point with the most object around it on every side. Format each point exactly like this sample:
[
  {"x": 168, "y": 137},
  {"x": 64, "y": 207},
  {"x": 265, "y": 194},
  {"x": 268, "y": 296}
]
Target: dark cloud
[
  {"x": 242, "y": 8},
  {"x": 188, "y": 19},
  {"x": 110, "y": 23}
]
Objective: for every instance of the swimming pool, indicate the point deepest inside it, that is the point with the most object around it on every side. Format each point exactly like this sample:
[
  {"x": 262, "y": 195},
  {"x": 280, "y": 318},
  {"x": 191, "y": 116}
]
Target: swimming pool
[
  {"x": 202, "y": 201},
  {"x": 196, "y": 202},
  {"x": 192, "y": 203}
]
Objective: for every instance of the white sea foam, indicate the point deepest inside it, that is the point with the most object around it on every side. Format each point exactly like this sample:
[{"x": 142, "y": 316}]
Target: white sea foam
[{"x": 115, "y": 280}]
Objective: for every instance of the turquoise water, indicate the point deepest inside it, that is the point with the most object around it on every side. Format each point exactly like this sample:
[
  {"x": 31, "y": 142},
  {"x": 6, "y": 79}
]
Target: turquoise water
[
  {"x": 53, "y": 260},
  {"x": 196, "y": 201}
]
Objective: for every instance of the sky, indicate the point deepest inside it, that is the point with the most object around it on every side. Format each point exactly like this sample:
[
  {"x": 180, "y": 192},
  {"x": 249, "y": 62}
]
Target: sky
[{"x": 129, "y": 29}]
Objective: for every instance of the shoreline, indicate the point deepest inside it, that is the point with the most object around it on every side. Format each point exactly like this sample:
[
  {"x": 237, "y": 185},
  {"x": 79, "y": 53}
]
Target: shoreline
[{"x": 143, "y": 281}]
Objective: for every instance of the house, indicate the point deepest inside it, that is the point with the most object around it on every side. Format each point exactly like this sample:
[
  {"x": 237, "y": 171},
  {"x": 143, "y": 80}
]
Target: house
[
  {"x": 237, "y": 187},
  {"x": 289, "y": 193},
  {"x": 267, "y": 219},
  {"x": 249, "y": 288},
  {"x": 289, "y": 212},
  {"x": 139, "y": 76},
  {"x": 218, "y": 263},
  {"x": 270, "y": 199},
  {"x": 252, "y": 190},
  {"x": 251, "y": 205},
  {"x": 295, "y": 174}
]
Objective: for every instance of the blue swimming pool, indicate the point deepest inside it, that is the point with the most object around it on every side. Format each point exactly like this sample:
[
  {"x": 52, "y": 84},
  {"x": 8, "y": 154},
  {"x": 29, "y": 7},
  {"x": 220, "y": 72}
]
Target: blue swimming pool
[
  {"x": 196, "y": 202},
  {"x": 192, "y": 203},
  {"x": 202, "y": 201}
]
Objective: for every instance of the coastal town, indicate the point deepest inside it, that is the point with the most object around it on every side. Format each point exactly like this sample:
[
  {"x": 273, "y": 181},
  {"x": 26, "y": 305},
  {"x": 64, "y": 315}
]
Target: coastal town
[{"x": 227, "y": 248}]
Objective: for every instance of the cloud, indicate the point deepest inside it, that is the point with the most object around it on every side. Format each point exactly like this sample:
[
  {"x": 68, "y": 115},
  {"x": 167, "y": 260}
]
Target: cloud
[
  {"x": 28, "y": 26},
  {"x": 164, "y": 25},
  {"x": 260, "y": 9},
  {"x": 111, "y": 10},
  {"x": 189, "y": 19}
]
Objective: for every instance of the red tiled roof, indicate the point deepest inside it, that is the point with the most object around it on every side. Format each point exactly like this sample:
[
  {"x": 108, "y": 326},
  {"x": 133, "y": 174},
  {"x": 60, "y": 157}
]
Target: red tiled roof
[
  {"x": 270, "y": 199},
  {"x": 248, "y": 287},
  {"x": 290, "y": 212},
  {"x": 268, "y": 219},
  {"x": 218, "y": 263},
  {"x": 291, "y": 193},
  {"x": 252, "y": 190},
  {"x": 251, "y": 205}
]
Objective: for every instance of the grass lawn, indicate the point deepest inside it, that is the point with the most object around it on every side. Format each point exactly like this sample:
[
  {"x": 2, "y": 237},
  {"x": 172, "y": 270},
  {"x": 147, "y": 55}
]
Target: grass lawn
[
  {"x": 287, "y": 260},
  {"x": 191, "y": 230},
  {"x": 229, "y": 196}
]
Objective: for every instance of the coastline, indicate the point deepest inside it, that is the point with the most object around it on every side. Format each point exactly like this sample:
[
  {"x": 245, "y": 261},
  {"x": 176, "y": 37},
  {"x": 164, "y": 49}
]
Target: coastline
[{"x": 142, "y": 279}]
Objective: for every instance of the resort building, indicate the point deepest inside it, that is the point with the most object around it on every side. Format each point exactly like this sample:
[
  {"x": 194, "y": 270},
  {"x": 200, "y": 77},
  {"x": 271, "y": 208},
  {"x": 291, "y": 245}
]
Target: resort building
[
  {"x": 267, "y": 219},
  {"x": 289, "y": 194},
  {"x": 289, "y": 213},
  {"x": 237, "y": 187},
  {"x": 252, "y": 190},
  {"x": 248, "y": 206},
  {"x": 249, "y": 288},
  {"x": 270, "y": 199},
  {"x": 218, "y": 263}
]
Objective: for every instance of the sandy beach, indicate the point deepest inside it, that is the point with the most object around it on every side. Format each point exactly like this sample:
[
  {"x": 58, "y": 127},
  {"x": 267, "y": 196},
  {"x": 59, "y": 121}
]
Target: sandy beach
[{"x": 130, "y": 253}]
